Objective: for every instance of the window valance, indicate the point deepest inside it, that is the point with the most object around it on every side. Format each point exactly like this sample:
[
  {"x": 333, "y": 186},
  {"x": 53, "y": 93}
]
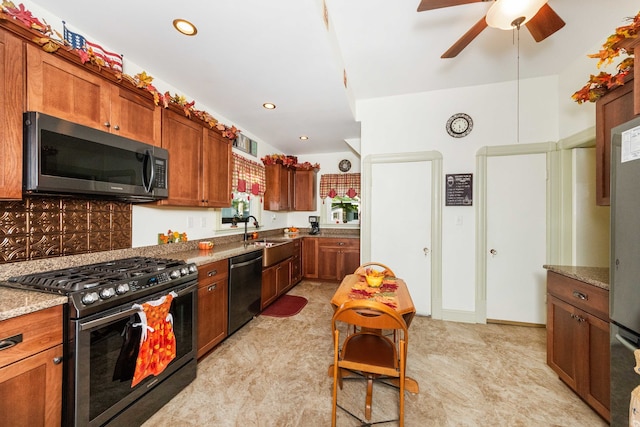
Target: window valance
[
  {"x": 248, "y": 176},
  {"x": 343, "y": 184}
]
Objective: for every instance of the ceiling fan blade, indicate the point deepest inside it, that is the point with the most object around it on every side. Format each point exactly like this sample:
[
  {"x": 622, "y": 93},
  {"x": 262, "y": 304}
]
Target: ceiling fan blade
[
  {"x": 465, "y": 39},
  {"x": 545, "y": 23},
  {"x": 438, "y": 4}
]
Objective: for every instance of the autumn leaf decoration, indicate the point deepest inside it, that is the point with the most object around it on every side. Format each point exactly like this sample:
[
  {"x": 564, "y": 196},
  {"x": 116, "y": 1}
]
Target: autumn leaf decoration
[
  {"x": 46, "y": 38},
  {"x": 601, "y": 83}
]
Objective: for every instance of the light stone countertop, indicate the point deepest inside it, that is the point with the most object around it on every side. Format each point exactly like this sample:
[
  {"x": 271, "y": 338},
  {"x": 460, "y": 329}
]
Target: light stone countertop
[
  {"x": 16, "y": 302},
  {"x": 596, "y": 276}
]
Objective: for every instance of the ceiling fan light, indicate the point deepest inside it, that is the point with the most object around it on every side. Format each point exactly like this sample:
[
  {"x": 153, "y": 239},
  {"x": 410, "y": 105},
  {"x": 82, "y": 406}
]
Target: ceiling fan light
[{"x": 503, "y": 13}]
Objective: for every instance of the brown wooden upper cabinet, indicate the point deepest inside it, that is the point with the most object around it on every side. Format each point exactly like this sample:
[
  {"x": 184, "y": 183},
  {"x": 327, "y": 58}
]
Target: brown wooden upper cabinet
[
  {"x": 289, "y": 189},
  {"x": 278, "y": 187},
  {"x": 62, "y": 89},
  {"x": 200, "y": 163},
  {"x": 304, "y": 190},
  {"x": 11, "y": 105},
  {"x": 613, "y": 109}
]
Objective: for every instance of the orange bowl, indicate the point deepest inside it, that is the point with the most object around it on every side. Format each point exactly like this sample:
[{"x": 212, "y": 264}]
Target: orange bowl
[{"x": 205, "y": 245}]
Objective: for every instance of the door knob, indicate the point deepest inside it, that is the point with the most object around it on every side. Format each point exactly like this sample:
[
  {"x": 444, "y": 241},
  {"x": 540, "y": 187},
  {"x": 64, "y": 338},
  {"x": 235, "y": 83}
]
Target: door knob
[{"x": 493, "y": 252}]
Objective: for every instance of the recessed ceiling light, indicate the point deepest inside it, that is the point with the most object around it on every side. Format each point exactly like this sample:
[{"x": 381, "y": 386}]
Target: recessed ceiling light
[
  {"x": 304, "y": 138},
  {"x": 269, "y": 106},
  {"x": 185, "y": 27}
]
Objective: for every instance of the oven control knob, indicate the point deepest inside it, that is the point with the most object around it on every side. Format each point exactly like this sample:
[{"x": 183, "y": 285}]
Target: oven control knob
[
  {"x": 174, "y": 274},
  {"x": 107, "y": 293},
  {"x": 122, "y": 288},
  {"x": 184, "y": 271},
  {"x": 193, "y": 268},
  {"x": 90, "y": 298}
]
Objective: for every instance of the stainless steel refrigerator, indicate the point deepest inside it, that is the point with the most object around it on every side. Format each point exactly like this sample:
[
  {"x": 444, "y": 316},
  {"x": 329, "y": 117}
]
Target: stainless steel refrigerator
[{"x": 624, "y": 294}]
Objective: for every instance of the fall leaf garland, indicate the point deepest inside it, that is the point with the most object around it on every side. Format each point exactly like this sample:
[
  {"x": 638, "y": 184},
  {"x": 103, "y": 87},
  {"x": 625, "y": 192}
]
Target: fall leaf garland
[
  {"x": 601, "y": 83},
  {"x": 288, "y": 161},
  {"x": 142, "y": 80}
]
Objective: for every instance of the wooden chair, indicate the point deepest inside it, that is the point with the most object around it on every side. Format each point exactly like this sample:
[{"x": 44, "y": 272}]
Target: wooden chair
[
  {"x": 363, "y": 267},
  {"x": 368, "y": 352}
]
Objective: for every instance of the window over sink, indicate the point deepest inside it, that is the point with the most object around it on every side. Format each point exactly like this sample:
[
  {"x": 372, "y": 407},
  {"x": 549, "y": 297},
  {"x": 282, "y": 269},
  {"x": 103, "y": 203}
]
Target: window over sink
[{"x": 247, "y": 186}]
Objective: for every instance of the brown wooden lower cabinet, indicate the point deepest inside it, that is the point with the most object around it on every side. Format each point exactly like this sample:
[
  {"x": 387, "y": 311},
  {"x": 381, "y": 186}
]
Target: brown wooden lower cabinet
[
  {"x": 213, "y": 300},
  {"x": 31, "y": 371},
  {"x": 330, "y": 258},
  {"x": 578, "y": 338},
  {"x": 276, "y": 280},
  {"x": 296, "y": 262}
]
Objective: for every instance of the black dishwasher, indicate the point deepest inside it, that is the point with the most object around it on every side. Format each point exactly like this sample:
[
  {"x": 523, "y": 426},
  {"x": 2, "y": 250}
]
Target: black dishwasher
[{"x": 245, "y": 288}]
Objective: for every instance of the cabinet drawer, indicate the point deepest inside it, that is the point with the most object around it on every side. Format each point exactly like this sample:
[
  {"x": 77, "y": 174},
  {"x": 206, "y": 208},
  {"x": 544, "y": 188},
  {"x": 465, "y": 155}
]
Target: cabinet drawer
[
  {"x": 38, "y": 331},
  {"x": 589, "y": 298},
  {"x": 212, "y": 272},
  {"x": 338, "y": 242}
]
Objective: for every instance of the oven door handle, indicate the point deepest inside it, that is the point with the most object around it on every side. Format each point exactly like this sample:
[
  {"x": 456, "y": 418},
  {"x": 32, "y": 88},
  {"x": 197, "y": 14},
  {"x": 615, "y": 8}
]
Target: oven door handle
[
  {"x": 108, "y": 319},
  {"x": 124, "y": 314},
  {"x": 629, "y": 345}
]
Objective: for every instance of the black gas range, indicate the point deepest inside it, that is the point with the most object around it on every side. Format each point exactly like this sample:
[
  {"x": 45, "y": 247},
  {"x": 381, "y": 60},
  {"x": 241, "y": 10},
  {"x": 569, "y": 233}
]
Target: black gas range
[
  {"x": 97, "y": 287},
  {"x": 108, "y": 308}
]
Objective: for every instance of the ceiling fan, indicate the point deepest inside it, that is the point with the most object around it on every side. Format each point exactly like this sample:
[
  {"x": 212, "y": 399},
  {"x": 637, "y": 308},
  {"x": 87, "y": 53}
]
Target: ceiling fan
[{"x": 541, "y": 20}]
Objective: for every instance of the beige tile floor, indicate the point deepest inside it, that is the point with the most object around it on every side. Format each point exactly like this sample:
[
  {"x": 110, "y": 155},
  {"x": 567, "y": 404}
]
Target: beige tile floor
[{"x": 273, "y": 372}]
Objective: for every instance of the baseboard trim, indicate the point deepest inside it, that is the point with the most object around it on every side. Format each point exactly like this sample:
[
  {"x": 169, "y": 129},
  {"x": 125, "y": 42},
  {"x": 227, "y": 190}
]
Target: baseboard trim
[
  {"x": 459, "y": 316},
  {"x": 512, "y": 323}
]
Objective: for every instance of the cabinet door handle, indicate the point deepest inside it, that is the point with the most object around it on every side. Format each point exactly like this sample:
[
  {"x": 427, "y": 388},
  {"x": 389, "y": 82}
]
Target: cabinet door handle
[
  {"x": 10, "y": 342},
  {"x": 340, "y": 243},
  {"x": 580, "y": 295},
  {"x": 578, "y": 318},
  {"x": 212, "y": 273},
  {"x": 107, "y": 124},
  {"x": 57, "y": 360},
  {"x": 116, "y": 127},
  {"x": 212, "y": 287}
]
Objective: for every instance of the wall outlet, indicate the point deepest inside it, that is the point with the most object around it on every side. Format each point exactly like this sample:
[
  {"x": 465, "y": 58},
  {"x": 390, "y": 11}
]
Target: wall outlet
[
  {"x": 190, "y": 222},
  {"x": 203, "y": 222},
  {"x": 273, "y": 217}
]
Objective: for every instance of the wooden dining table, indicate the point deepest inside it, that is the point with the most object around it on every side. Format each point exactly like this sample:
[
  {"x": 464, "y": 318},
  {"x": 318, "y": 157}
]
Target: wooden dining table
[{"x": 404, "y": 307}]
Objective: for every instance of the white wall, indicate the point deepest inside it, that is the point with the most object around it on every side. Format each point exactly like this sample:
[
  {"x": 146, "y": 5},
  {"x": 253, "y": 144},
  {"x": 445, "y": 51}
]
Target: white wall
[
  {"x": 591, "y": 222},
  {"x": 416, "y": 122}
]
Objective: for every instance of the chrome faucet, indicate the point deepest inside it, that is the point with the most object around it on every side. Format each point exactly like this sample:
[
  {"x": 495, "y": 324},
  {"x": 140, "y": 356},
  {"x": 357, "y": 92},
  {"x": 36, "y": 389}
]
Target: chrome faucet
[{"x": 255, "y": 224}]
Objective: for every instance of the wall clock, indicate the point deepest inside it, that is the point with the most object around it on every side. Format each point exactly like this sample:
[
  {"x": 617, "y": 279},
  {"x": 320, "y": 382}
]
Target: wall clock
[
  {"x": 459, "y": 125},
  {"x": 344, "y": 165}
]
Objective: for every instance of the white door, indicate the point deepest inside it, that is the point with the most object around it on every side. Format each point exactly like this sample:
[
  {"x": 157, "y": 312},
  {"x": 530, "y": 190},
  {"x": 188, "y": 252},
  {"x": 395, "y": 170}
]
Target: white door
[
  {"x": 516, "y": 238},
  {"x": 400, "y": 213}
]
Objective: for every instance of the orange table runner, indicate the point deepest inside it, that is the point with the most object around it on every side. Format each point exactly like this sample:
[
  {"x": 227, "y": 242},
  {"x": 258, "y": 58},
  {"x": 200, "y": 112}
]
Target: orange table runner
[
  {"x": 385, "y": 294},
  {"x": 348, "y": 290}
]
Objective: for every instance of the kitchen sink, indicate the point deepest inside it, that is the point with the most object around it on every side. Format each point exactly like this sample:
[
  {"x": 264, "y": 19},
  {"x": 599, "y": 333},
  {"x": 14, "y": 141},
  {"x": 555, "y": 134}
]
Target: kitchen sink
[{"x": 275, "y": 251}]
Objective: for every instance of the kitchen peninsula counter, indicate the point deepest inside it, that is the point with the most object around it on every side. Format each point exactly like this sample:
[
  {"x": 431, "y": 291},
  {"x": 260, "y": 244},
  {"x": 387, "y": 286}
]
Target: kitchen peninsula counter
[{"x": 596, "y": 276}]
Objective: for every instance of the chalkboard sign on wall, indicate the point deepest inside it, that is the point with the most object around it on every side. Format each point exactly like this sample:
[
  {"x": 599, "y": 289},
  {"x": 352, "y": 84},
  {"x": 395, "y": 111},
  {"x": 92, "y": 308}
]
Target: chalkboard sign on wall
[{"x": 459, "y": 189}]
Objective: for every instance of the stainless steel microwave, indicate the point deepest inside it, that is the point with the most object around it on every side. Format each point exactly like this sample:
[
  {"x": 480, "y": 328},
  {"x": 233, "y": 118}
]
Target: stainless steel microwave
[{"x": 65, "y": 158}]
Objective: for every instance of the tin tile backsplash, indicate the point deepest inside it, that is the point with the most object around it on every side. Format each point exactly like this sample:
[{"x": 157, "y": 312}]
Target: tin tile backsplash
[{"x": 36, "y": 227}]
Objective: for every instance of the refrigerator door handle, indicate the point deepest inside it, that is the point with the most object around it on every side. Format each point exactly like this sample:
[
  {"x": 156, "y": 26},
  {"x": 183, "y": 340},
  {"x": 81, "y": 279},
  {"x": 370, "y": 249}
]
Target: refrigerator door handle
[{"x": 626, "y": 343}]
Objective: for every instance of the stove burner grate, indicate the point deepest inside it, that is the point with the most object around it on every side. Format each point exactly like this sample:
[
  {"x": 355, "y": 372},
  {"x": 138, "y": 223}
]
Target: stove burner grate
[{"x": 73, "y": 279}]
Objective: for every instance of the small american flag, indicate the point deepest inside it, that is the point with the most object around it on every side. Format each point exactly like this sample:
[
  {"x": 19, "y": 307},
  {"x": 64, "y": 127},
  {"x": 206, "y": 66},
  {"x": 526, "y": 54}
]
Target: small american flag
[
  {"x": 74, "y": 39},
  {"x": 77, "y": 41}
]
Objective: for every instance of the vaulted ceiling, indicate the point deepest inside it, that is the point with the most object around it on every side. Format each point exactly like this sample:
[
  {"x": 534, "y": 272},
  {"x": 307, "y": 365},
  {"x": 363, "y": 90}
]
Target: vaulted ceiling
[{"x": 248, "y": 52}]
